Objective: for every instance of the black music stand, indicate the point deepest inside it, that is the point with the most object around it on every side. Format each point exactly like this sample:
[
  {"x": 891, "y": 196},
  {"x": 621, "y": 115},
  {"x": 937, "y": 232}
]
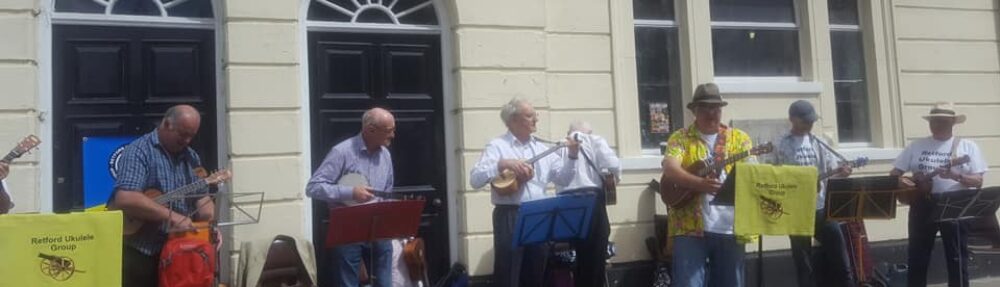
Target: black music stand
[
  {"x": 727, "y": 193},
  {"x": 372, "y": 222},
  {"x": 871, "y": 197},
  {"x": 966, "y": 204}
]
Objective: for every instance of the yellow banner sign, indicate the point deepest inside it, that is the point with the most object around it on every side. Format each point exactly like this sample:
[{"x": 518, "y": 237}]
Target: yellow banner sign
[
  {"x": 79, "y": 249},
  {"x": 775, "y": 200}
]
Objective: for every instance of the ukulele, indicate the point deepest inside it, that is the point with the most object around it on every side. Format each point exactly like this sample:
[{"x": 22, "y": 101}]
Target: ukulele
[
  {"x": 416, "y": 262},
  {"x": 506, "y": 183},
  {"x": 925, "y": 182},
  {"x": 133, "y": 225},
  {"x": 676, "y": 196},
  {"x": 856, "y": 163},
  {"x": 609, "y": 182},
  {"x": 24, "y": 146},
  {"x": 357, "y": 179}
]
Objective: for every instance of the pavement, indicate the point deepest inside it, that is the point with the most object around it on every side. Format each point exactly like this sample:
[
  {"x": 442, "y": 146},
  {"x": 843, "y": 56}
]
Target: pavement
[{"x": 981, "y": 282}]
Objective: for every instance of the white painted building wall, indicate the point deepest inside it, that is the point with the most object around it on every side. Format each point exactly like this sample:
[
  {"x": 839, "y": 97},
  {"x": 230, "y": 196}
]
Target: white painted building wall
[{"x": 575, "y": 59}]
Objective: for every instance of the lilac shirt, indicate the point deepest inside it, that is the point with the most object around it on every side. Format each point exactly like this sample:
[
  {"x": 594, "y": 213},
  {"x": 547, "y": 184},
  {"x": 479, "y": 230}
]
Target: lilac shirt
[{"x": 350, "y": 156}]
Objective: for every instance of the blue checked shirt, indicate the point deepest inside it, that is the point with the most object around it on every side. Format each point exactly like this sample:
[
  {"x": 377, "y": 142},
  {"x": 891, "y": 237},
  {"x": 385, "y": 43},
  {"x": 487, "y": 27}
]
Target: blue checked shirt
[
  {"x": 144, "y": 165},
  {"x": 350, "y": 156}
]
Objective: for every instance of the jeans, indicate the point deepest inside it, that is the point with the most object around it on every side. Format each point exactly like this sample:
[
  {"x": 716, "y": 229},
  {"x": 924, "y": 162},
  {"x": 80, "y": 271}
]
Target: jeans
[
  {"x": 522, "y": 266},
  {"x": 138, "y": 269},
  {"x": 831, "y": 266},
  {"x": 718, "y": 255},
  {"x": 345, "y": 259},
  {"x": 923, "y": 231}
]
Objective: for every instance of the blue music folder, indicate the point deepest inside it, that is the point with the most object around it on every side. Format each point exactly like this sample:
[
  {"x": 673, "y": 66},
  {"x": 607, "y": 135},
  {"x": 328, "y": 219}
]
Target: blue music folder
[{"x": 562, "y": 218}]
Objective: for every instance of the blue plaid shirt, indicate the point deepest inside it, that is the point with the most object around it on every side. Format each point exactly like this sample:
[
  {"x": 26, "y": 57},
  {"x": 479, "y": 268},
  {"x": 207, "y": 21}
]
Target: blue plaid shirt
[{"x": 144, "y": 165}]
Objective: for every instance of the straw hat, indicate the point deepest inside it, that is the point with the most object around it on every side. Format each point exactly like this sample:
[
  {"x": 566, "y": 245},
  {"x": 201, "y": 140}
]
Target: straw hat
[{"x": 945, "y": 110}]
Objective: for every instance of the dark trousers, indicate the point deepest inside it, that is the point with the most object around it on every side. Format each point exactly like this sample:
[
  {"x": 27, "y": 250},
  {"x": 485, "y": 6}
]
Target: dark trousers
[
  {"x": 138, "y": 269},
  {"x": 522, "y": 266},
  {"x": 831, "y": 265},
  {"x": 591, "y": 254},
  {"x": 923, "y": 231}
]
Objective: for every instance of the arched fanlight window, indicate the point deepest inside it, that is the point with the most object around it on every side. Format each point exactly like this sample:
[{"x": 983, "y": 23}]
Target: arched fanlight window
[
  {"x": 157, "y": 8},
  {"x": 380, "y": 12}
]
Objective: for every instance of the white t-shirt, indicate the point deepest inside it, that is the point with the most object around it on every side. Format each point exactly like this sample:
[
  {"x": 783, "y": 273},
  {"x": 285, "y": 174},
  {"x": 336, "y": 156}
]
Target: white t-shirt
[
  {"x": 801, "y": 151},
  {"x": 926, "y": 154},
  {"x": 716, "y": 218}
]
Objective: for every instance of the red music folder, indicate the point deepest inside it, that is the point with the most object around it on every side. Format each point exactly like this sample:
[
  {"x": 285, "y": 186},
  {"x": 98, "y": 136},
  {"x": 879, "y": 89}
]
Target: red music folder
[{"x": 374, "y": 221}]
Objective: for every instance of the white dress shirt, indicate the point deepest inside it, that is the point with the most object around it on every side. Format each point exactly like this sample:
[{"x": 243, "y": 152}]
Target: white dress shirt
[
  {"x": 603, "y": 157},
  {"x": 551, "y": 168}
]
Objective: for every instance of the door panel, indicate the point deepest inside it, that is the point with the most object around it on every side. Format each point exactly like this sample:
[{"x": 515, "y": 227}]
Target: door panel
[
  {"x": 110, "y": 81},
  {"x": 351, "y": 73}
]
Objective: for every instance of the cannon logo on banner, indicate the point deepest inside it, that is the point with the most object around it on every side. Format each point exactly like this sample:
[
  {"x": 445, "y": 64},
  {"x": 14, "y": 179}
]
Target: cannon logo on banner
[
  {"x": 79, "y": 249},
  {"x": 775, "y": 200}
]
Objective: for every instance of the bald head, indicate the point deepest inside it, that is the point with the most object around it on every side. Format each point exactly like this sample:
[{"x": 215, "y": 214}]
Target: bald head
[
  {"x": 580, "y": 126},
  {"x": 183, "y": 115},
  {"x": 179, "y": 126},
  {"x": 378, "y": 128},
  {"x": 376, "y": 116}
]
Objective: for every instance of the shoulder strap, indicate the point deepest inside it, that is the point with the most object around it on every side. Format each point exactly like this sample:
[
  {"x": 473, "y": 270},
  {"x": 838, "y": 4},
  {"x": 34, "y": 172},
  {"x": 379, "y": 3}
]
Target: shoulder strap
[
  {"x": 954, "y": 147},
  {"x": 591, "y": 164},
  {"x": 720, "y": 145}
]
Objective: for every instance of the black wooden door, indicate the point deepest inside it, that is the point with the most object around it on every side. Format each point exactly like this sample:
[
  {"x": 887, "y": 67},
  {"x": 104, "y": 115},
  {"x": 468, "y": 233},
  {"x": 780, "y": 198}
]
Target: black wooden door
[
  {"x": 350, "y": 73},
  {"x": 110, "y": 81}
]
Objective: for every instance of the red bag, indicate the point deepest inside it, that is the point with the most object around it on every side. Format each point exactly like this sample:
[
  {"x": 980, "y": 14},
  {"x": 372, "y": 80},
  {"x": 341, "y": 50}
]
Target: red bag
[{"x": 187, "y": 262}]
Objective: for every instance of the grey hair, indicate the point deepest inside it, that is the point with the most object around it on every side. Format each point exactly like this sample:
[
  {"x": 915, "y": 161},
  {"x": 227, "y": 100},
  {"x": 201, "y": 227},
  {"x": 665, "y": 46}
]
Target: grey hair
[
  {"x": 368, "y": 118},
  {"x": 580, "y": 126},
  {"x": 508, "y": 110}
]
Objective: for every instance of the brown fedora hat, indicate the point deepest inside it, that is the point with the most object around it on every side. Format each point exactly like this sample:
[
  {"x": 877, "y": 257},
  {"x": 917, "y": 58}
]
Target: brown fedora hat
[{"x": 707, "y": 93}]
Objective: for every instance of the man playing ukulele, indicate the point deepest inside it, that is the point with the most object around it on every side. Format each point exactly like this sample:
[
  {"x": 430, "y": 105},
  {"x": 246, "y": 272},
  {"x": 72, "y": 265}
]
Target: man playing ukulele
[
  {"x": 927, "y": 155},
  {"x": 162, "y": 160},
  {"x": 704, "y": 232}
]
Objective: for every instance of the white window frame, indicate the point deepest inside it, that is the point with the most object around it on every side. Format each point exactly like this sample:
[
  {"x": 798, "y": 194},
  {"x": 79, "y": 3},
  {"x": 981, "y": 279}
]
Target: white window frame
[
  {"x": 753, "y": 84},
  {"x": 856, "y": 28},
  {"x": 648, "y": 23},
  {"x": 124, "y": 20}
]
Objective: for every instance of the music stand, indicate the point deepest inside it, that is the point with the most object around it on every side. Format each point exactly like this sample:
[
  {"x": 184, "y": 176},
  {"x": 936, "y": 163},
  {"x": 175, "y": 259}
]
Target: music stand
[
  {"x": 727, "y": 193},
  {"x": 871, "y": 197},
  {"x": 372, "y": 222},
  {"x": 561, "y": 218},
  {"x": 966, "y": 204}
]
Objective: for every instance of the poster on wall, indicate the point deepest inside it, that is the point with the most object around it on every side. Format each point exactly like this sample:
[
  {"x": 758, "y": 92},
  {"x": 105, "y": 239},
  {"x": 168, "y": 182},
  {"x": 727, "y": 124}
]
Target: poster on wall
[
  {"x": 659, "y": 118},
  {"x": 76, "y": 249},
  {"x": 101, "y": 157}
]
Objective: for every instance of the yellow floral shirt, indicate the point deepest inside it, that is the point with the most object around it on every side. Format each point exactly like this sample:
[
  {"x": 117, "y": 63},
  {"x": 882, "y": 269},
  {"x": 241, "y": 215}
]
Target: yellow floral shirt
[{"x": 687, "y": 146}]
